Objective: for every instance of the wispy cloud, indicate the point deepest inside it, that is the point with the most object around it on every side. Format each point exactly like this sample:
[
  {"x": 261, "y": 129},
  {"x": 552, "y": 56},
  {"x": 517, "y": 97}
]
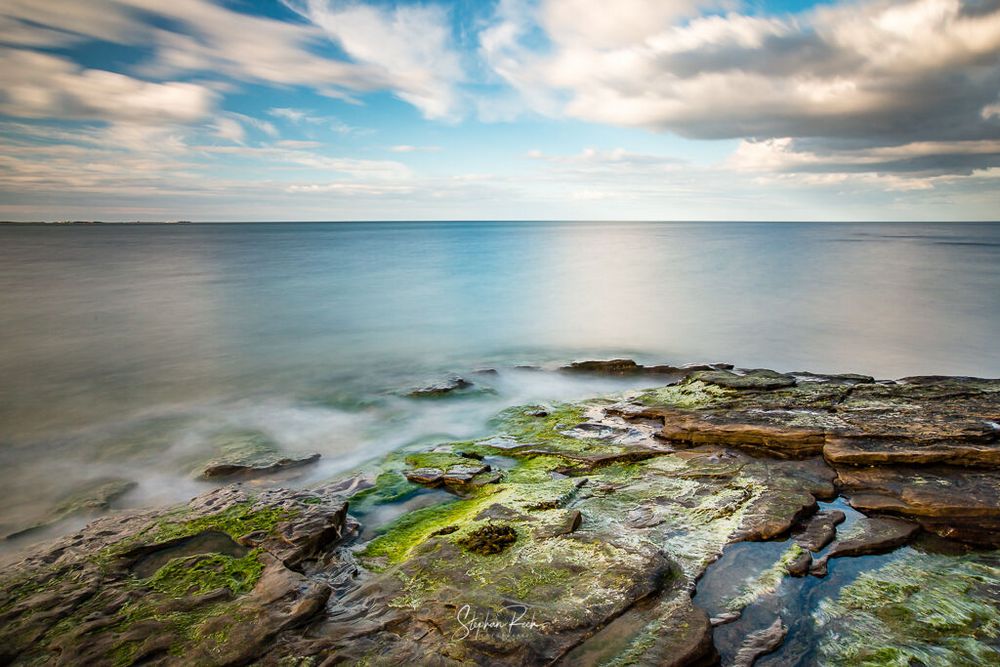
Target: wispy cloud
[
  {"x": 306, "y": 117},
  {"x": 406, "y": 148},
  {"x": 410, "y": 47}
]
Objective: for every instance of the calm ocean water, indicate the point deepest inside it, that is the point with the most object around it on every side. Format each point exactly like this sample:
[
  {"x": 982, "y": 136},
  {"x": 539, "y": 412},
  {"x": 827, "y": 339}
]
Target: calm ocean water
[{"x": 124, "y": 350}]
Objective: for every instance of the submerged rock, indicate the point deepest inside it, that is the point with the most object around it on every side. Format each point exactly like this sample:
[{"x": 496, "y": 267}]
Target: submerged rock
[
  {"x": 819, "y": 531},
  {"x": 443, "y": 388},
  {"x": 921, "y": 608},
  {"x": 871, "y": 536},
  {"x": 89, "y": 498},
  {"x": 760, "y": 643},
  {"x": 251, "y": 454}
]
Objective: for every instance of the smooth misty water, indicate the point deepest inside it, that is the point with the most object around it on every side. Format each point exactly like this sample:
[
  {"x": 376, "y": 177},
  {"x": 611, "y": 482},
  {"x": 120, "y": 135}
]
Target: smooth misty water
[{"x": 125, "y": 350}]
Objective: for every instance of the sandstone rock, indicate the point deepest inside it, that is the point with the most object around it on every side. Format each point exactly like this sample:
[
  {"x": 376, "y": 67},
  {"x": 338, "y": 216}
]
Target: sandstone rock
[
  {"x": 760, "y": 643},
  {"x": 259, "y": 466},
  {"x": 463, "y": 474},
  {"x": 819, "y": 531},
  {"x": 559, "y": 522},
  {"x": 250, "y": 454},
  {"x": 954, "y": 502},
  {"x": 800, "y": 566},
  {"x": 94, "y": 586},
  {"x": 727, "y": 617},
  {"x": 873, "y": 536},
  {"x": 878, "y": 451},
  {"x": 426, "y": 476},
  {"x": 757, "y": 379}
]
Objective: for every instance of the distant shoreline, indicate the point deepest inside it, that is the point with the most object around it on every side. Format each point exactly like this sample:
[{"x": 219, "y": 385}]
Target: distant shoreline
[
  {"x": 96, "y": 222},
  {"x": 67, "y": 223}
]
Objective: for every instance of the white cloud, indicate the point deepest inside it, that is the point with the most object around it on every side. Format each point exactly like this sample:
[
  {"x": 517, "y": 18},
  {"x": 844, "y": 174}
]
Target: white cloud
[
  {"x": 406, "y": 148},
  {"x": 878, "y": 70},
  {"x": 303, "y": 116},
  {"x": 292, "y": 115},
  {"x": 230, "y": 130},
  {"x": 409, "y": 47},
  {"x": 406, "y": 50},
  {"x": 37, "y": 85}
]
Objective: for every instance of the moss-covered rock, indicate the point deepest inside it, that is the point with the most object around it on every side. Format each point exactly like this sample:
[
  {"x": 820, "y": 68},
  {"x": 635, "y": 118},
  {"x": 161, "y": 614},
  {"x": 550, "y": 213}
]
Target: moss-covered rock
[
  {"x": 210, "y": 583},
  {"x": 576, "y": 533}
]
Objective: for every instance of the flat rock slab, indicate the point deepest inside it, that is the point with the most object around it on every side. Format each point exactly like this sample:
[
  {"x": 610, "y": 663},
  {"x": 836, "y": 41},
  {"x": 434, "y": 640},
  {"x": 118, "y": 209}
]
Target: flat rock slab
[
  {"x": 819, "y": 531},
  {"x": 88, "y": 498},
  {"x": 212, "y": 583},
  {"x": 874, "y": 535},
  {"x": 264, "y": 465},
  {"x": 914, "y": 420},
  {"x": 463, "y": 474},
  {"x": 954, "y": 502},
  {"x": 758, "y": 378},
  {"x": 250, "y": 454},
  {"x": 425, "y": 476}
]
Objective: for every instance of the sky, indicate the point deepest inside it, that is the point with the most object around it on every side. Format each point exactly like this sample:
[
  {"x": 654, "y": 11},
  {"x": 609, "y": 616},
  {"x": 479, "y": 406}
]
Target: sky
[{"x": 226, "y": 110}]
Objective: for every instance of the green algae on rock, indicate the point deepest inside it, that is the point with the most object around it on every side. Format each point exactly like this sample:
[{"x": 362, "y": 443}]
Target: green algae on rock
[
  {"x": 89, "y": 599},
  {"x": 922, "y": 608},
  {"x": 576, "y": 534}
]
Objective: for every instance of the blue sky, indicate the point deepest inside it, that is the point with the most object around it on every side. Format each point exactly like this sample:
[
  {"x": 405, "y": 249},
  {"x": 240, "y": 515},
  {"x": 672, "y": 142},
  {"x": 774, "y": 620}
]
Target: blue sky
[{"x": 516, "y": 109}]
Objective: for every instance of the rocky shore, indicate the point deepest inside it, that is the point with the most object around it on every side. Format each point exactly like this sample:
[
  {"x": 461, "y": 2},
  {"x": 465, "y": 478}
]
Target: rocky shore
[{"x": 576, "y": 534}]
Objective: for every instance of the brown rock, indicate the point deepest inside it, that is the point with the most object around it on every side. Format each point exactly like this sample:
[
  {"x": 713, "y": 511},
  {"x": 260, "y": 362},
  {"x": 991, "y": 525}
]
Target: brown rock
[
  {"x": 958, "y": 503},
  {"x": 760, "y": 643},
  {"x": 876, "y": 535},
  {"x": 425, "y": 476},
  {"x": 819, "y": 531},
  {"x": 800, "y": 566},
  {"x": 610, "y": 367}
]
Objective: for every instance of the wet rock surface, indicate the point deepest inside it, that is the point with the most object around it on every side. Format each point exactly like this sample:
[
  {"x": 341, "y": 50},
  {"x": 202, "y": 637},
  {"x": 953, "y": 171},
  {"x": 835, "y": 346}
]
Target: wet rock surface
[
  {"x": 443, "y": 388},
  {"x": 622, "y": 367},
  {"x": 871, "y": 536},
  {"x": 251, "y": 455},
  {"x": 211, "y": 583},
  {"x": 760, "y": 643},
  {"x": 575, "y": 534},
  {"x": 88, "y": 499},
  {"x": 819, "y": 531}
]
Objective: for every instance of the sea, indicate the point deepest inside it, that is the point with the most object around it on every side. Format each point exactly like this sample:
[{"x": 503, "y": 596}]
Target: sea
[{"x": 129, "y": 352}]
